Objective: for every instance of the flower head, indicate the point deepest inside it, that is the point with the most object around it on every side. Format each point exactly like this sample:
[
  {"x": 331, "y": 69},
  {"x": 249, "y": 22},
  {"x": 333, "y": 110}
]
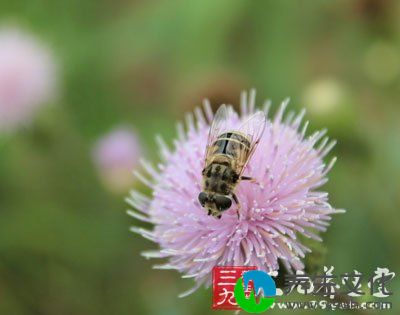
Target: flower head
[
  {"x": 289, "y": 168},
  {"x": 27, "y": 74},
  {"x": 116, "y": 155}
]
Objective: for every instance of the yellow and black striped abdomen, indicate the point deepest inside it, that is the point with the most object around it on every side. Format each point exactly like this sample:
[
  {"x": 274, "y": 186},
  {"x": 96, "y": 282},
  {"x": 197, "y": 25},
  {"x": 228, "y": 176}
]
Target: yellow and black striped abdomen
[{"x": 233, "y": 145}]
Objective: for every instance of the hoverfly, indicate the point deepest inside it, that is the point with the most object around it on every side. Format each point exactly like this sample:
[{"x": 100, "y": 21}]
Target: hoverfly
[{"x": 228, "y": 151}]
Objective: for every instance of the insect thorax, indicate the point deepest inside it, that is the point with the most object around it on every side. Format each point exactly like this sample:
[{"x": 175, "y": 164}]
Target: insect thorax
[{"x": 219, "y": 177}]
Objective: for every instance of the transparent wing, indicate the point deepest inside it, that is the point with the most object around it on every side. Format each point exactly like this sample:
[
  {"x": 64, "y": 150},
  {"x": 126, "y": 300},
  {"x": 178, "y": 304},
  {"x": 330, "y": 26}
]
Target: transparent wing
[
  {"x": 218, "y": 125},
  {"x": 252, "y": 128}
]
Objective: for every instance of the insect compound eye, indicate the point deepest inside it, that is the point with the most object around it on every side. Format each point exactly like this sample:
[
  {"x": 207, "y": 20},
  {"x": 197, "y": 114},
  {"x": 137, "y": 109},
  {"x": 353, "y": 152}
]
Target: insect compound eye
[
  {"x": 202, "y": 198},
  {"x": 223, "y": 202}
]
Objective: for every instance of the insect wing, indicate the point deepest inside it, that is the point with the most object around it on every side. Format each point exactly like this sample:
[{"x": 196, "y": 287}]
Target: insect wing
[
  {"x": 218, "y": 125},
  {"x": 253, "y": 128}
]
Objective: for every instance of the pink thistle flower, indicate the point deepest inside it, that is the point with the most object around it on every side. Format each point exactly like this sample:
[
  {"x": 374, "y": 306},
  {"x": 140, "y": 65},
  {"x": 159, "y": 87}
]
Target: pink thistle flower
[
  {"x": 27, "y": 74},
  {"x": 289, "y": 167},
  {"x": 115, "y": 156}
]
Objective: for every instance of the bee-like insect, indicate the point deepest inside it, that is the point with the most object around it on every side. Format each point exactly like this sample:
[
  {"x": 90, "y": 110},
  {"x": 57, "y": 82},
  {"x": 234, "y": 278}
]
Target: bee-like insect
[{"x": 227, "y": 153}]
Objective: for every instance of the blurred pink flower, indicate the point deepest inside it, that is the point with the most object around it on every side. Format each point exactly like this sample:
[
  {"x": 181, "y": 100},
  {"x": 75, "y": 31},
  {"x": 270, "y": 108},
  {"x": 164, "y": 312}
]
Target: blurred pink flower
[
  {"x": 27, "y": 74},
  {"x": 288, "y": 165},
  {"x": 116, "y": 155}
]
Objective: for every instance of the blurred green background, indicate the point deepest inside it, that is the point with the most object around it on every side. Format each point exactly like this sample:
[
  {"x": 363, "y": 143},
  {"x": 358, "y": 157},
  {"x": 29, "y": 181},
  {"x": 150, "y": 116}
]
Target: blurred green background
[{"x": 65, "y": 245}]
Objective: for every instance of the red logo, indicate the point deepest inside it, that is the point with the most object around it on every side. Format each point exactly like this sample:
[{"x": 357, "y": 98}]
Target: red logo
[{"x": 224, "y": 280}]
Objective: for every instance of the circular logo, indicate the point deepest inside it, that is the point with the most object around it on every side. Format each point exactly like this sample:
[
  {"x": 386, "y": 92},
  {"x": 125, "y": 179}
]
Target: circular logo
[{"x": 264, "y": 286}]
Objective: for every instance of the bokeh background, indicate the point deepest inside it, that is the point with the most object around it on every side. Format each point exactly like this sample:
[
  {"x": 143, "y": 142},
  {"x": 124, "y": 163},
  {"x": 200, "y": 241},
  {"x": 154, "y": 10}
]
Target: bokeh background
[{"x": 127, "y": 70}]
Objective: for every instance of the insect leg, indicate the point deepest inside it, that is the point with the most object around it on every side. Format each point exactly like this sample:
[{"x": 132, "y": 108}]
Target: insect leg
[
  {"x": 251, "y": 179},
  {"x": 235, "y": 198}
]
